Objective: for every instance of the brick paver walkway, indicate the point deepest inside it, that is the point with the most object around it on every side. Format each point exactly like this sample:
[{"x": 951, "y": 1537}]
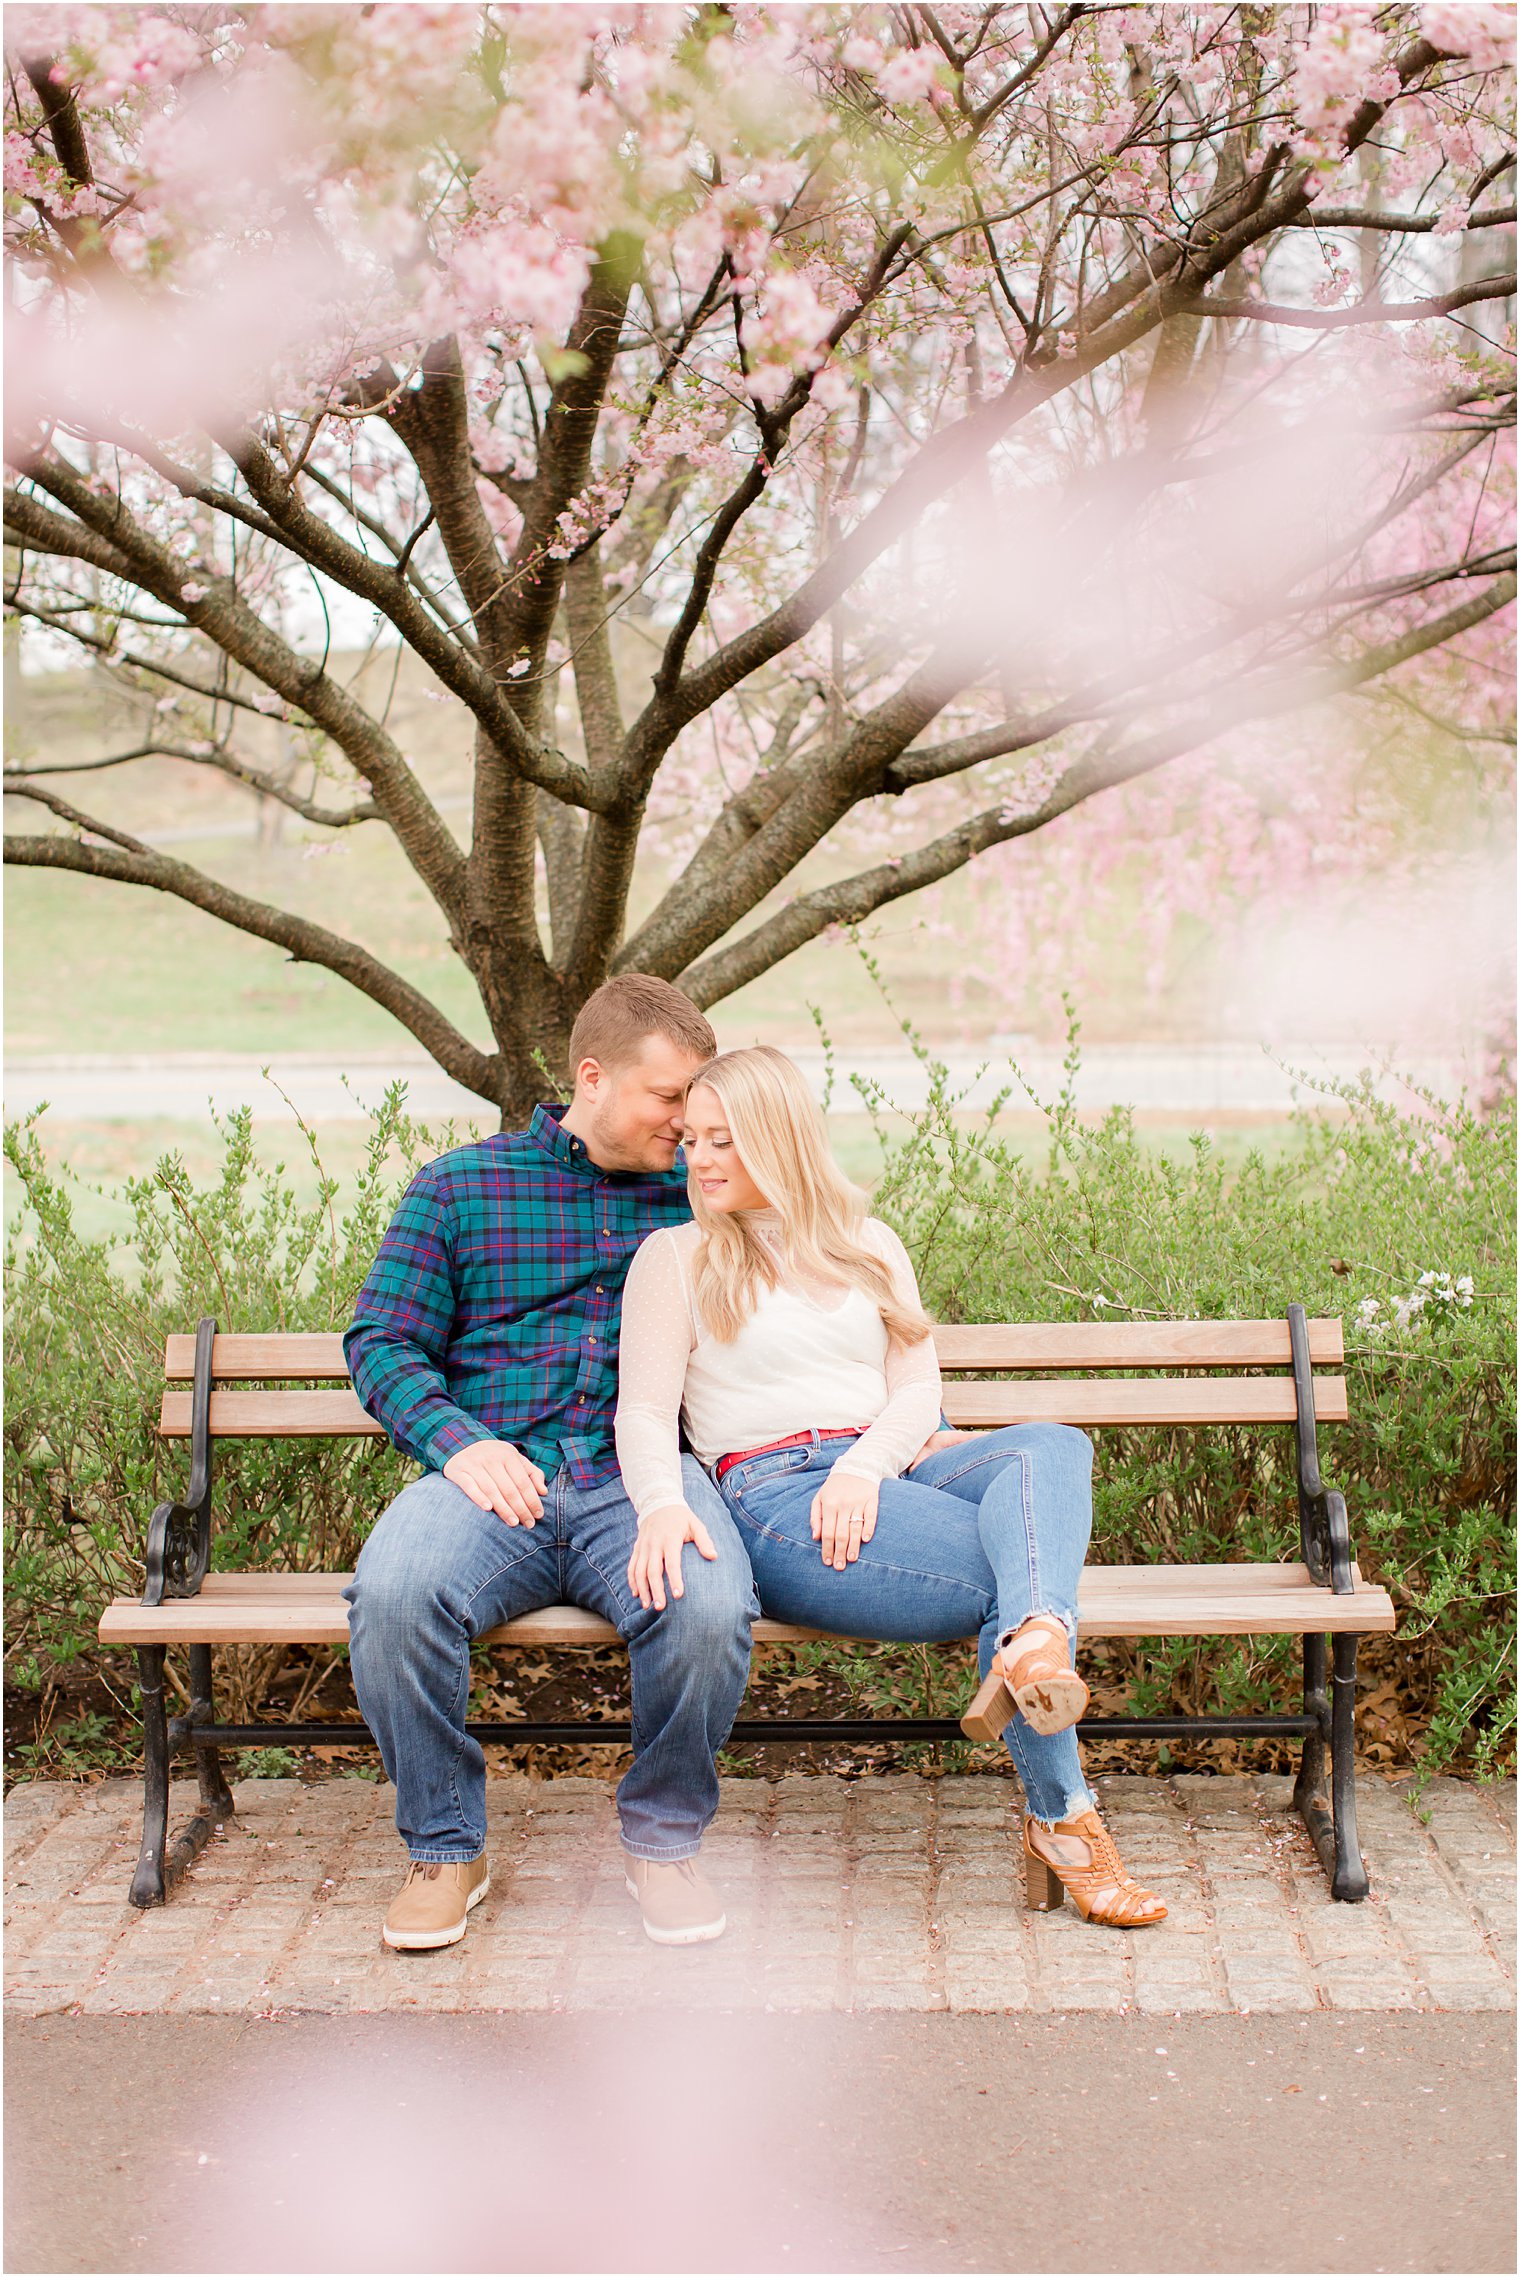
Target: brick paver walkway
[{"x": 900, "y": 1893}]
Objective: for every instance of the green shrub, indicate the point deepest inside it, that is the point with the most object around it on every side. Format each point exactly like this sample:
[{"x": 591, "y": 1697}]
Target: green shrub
[
  {"x": 1400, "y": 1223},
  {"x": 85, "y": 1327}
]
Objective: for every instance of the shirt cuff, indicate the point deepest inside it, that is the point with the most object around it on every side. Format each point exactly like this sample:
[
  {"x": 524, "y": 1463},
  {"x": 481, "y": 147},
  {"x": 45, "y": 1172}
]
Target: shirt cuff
[
  {"x": 442, "y": 1439},
  {"x": 661, "y": 1496},
  {"x": 857, "y": 1466}
]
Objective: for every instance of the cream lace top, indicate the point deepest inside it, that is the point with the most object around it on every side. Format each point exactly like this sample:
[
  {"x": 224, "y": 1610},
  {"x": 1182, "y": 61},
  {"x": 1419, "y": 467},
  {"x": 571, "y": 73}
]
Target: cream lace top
[{"x": 809, "y": 1358}]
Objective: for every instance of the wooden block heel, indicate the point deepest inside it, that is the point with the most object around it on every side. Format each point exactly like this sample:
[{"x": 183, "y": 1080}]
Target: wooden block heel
[
  {"x": 993, "y": 1708},
  {"x": 1043, "y": 1886}
]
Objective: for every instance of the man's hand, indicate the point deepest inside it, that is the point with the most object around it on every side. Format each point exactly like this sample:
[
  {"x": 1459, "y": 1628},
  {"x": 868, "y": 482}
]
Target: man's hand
[
  {"x": 657, "y": 1552},
  {"x": 935, "y": 1440},
  {"x": 499, "y": 1477},
  {"x": 844, "y": 1516}
]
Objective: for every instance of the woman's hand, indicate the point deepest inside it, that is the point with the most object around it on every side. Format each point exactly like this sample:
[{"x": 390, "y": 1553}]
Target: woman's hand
[
  {"x": 657, "y": 1552},
  {"x": 844, "y": 1516}
]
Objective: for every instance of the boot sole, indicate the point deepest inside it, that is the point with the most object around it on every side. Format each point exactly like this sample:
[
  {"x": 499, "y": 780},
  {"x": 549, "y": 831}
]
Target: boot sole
[
  {"x": 429, "y": 1940},
  {"x": 702, "y": 1934}
]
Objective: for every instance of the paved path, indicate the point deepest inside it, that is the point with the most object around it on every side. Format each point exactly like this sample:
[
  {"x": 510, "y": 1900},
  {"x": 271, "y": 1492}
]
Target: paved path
[
  {"x": 750, "y": 2142},
  {"x": 853, "y": 1895},
  {"x": 1205, "y": 1079}
]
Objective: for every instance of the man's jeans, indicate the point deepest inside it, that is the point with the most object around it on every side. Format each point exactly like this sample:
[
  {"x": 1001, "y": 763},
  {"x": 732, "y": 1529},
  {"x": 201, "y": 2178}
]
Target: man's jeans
[
  {"x": 438, "y": 1570},
  {"x": 974, "y": 1539}
]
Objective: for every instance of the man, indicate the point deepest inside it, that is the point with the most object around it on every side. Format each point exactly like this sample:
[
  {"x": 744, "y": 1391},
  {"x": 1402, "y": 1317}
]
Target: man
[{"x": 485, "y": 1341}]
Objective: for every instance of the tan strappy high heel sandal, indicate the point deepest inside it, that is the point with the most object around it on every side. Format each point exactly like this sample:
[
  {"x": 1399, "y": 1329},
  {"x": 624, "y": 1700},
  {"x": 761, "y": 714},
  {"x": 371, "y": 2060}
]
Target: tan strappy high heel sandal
[
  {"x": 1079, "y": 1855},
  {"x": 1033, "y": 1677}
]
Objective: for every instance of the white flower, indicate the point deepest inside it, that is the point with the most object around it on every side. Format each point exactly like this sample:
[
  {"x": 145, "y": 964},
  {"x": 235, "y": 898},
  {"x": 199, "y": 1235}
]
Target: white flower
[{"x": 192, "y": 592}]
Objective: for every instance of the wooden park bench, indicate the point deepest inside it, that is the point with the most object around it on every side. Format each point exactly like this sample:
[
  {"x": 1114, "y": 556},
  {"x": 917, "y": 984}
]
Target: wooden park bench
[{"x": 240, "y": 1387}]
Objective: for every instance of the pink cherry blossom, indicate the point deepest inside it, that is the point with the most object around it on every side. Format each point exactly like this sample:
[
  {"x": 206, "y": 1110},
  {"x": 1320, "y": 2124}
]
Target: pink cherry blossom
[{"x": 573, "y": 347}]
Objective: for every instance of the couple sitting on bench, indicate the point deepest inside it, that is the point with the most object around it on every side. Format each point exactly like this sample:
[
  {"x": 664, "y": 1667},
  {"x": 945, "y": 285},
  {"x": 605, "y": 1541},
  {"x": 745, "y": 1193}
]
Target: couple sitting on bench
[{"x": 548, "y": 1309}]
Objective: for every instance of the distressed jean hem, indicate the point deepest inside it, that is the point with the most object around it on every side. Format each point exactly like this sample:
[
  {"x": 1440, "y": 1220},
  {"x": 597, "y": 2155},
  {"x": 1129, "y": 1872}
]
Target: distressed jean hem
[
  {"x": 1068, "y": 1622},
  {"x": 671, "y": 1854},
  {"x": 447, "y": 1857},
  {"x": 1074, "y": 1807}
]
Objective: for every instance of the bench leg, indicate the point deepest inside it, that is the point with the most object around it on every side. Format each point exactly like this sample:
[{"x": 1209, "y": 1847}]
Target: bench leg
[
  {"x": 1331, "y": 1819},
  {"x": 148, "y": 1881},
  {"x": 1349, "y": 1881},
  {"x": 215, "y": 1794},
  {"x": 158, "y": 1866}
]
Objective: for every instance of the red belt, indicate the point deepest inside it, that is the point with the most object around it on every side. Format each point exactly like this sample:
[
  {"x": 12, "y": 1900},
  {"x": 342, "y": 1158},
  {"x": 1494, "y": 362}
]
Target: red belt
[{"x": 793, "y": 1439}]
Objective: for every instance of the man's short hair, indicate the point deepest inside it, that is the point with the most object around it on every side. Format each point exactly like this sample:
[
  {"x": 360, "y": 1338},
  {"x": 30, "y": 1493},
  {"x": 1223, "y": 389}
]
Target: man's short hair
[{"x": 614, "y": 1020}]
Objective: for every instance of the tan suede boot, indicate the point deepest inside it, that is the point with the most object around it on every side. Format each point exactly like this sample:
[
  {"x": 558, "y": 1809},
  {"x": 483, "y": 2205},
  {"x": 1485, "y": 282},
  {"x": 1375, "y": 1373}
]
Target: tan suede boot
[
  {"x": 679, "y": 1905},
  {"x": 433, "y": 1903}
]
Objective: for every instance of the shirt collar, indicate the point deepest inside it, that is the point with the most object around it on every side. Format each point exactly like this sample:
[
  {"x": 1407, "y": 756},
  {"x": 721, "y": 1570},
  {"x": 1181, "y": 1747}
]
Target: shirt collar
[{"x": 546, "y": 1130}]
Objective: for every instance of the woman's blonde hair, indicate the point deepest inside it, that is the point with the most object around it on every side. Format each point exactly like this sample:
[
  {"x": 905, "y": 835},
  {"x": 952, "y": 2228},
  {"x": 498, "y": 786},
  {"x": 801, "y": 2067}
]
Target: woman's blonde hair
[{"x": 779, "y": 1137}]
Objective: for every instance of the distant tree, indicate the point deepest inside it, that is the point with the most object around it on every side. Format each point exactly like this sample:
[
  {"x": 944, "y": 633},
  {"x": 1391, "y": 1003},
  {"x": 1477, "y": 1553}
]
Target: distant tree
[{"x": 971, "y": 408}]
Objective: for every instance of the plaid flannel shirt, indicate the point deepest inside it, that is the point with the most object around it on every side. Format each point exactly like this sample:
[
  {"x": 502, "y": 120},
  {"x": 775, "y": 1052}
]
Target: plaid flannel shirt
[{"x": 491, "y": 1310}]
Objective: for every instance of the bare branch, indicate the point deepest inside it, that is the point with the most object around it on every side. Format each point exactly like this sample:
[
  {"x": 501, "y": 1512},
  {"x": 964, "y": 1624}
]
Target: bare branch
[
  {"x": 1403, "y": 224},
  {"x": 214, "y": 605},
  {"x": 385, "y": 585},
  {"x": 221, "y": 761},
  {"x": 129, "y": 862},
  {"x": 1365, "y": 312}
]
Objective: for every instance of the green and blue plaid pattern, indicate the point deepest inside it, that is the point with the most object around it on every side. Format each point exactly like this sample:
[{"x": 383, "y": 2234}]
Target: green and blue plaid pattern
[{"x": 491, "y": 1310}]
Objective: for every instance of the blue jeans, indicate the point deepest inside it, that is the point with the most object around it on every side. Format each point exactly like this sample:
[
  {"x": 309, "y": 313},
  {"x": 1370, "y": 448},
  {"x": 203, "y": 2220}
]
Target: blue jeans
[
  {"x": 438, "y": 1570},
  {"x": 974, "y": 1539}
]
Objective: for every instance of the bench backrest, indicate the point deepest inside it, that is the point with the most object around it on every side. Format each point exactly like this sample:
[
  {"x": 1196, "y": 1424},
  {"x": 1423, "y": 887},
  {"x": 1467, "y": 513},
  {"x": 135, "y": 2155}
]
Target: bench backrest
[{"x": 252, "y": 1377}]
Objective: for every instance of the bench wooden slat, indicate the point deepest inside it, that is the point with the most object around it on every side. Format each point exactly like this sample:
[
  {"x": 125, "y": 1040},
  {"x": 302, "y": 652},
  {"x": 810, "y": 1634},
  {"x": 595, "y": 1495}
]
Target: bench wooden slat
[
  {"x": 1133, "y": 1344},
  {"x": 1134, "y": 1400},
  {"x": 1125, "y": 1400},
  {"x": 1137, "y": 1578},
  {"x": 299, "y": 1356},
  {"x": 1115, "y": 1601},
  {"x": 273, "y": 1415},
  {"x": 293, "y": 1354}
]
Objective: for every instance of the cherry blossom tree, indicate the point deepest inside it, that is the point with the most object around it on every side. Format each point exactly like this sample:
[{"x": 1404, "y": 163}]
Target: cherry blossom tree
[{"x": 965, "y": 412}]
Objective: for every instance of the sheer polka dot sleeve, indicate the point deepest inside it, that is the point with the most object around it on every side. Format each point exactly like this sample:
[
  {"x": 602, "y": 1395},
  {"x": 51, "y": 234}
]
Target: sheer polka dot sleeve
[{"x": 654, "y": 1344}]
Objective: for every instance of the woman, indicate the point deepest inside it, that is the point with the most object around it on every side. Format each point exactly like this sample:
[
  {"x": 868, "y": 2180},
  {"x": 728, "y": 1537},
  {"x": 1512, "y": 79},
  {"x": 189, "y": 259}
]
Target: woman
[{"x": 783, "y": 1326}]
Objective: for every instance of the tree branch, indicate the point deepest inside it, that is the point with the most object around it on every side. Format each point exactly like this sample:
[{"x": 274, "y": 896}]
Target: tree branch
[
  {"x": 386, "y": 587},
  {"x": 128, "y": 862},
  {"x": 1365, "y": 312},
  {"x": 223, "y": 762},
  {"x": 1406, "y": 224},
  {"x": 564, "y": 457},
  {"x": 688, "y": 920},
  {"x": 216, "y": 608},
  {"x": 853, "y": 899}
]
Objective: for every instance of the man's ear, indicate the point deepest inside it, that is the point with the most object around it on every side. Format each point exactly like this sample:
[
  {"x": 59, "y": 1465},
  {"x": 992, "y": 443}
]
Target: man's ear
[{"x": 589, "y": 1076}]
